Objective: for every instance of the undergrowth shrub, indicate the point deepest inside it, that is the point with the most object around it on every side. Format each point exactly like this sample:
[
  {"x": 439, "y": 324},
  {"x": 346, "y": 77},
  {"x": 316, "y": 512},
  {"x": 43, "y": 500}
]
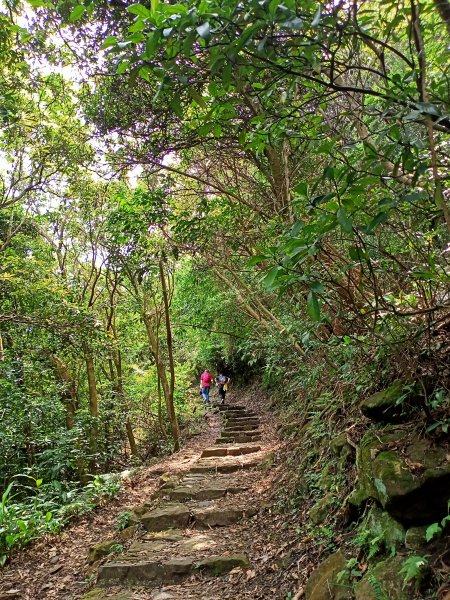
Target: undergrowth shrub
[{"x": 29, "y": 510}]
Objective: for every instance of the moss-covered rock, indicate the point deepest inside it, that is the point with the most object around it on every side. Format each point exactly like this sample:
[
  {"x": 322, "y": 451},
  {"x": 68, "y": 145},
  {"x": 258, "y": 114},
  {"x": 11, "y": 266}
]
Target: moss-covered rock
[
  {"x": 415, "y": 538},
  {"x": 323, "y": 584},
  {"x": 98, "y": 551},
  {"x": 382, "y": 525},
  {"x": 217, "y": 565},
  {"x": 320, "y": 510},
  {"x": 127, "y": 533},
  {"x": 391, "y": 404},
  {"x": 383, "y": 581},
  {"x": 410, "y": 479}
]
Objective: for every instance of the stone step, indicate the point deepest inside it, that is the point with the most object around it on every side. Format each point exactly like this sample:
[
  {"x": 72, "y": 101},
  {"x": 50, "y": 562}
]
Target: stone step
[
  {"x": 153, "y": 571},
  {"x": 210, "y": 492},
  {"x": 242, "y": 432},
  {"x": 223, "y": 407},
  {"x": 239, "y": 439},
  {"x": 245, "y": 427},
  {"x": 222, "y": 516},
  {"x": 242, "y": 420},
  {"x": 166, "y": 517},
  {"x": 185, "y": 492},
  {"x": 177, "y": 516},
  {"x": 228, "y": 451},
  {"x": 209, "y": 467},
  {"x": 238, "y": 414}
]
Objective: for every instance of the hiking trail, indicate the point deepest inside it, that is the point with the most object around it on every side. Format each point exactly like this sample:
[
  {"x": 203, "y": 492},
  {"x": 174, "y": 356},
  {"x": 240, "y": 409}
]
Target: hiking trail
[{"x": 191, "y": 525}]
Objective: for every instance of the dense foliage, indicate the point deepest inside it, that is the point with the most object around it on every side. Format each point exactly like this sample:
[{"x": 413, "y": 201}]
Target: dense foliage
[{"x": 255, "y": 187}]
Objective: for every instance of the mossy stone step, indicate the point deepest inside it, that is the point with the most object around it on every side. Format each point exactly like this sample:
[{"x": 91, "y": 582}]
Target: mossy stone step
[
  {"x": 227, "y": 451},
  {"x": 218, "y": 565},
  {"x": 239, "y": 439},
  {"x": 153, "y": 572},
  {"x": 208, "y": 467},
  {"x": 166, "y": 517}
]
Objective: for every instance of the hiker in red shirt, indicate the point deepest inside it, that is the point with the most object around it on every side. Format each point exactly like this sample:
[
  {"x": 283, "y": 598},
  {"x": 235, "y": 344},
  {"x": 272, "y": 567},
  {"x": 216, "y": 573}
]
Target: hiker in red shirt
[{"x": 205, "y": 384}]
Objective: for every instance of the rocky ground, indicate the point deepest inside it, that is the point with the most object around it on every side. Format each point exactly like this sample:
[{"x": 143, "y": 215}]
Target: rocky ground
[{"x": 203, "y": 526}]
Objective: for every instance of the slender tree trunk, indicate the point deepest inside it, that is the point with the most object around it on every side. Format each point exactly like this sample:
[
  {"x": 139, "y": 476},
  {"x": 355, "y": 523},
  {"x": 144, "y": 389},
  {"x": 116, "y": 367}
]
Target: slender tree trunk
[
  {"x": 121, "y": 394},
  {"x": 153, "y": 343},
  {"x": 69, "y": 392},
  {"x": 160, "y": 417},
  {"x": 93, "y": 402},
  {"x": 168, "y": 330}
]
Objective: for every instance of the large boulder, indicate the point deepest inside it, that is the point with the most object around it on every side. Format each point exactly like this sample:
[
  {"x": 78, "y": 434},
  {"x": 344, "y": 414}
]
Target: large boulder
[
  {"x": 323, "y": 582},
  {"x": 409, "y": 477},
  {"x": 382, "y": 581},
  {"x": 391, "y": 404}
]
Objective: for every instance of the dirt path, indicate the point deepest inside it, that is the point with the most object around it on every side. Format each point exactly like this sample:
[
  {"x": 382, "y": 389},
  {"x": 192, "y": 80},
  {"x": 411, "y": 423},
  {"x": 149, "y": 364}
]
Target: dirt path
[{"x": 57, "y": 567}]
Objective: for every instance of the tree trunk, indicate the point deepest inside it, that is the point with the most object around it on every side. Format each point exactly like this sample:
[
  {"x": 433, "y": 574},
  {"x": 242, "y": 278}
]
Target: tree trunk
[
  {"x": 153, "y": 343},
  {"x": 160, "y": 417},
  {"x": 69, "y": 391},
  {"x": 168, "y": 337},
  {"x": 93, "y": 403},
  {"x": 121, "y": 394}
]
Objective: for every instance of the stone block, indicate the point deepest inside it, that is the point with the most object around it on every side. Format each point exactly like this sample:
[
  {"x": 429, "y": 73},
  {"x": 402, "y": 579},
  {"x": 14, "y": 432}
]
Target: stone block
[
  {"x": 218, "y": 565},
  {"x": 166, "y": 517},
  {"x": 214, "y": 452}
]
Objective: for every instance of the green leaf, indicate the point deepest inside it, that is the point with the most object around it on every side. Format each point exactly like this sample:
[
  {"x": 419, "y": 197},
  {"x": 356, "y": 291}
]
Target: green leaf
[
  {"x": 154, "y": 6},
  {"x": 197, "y": 97},
  {"x": 317, "y": 287},
  {"x": 140, "y": 10},
  {"x": 313, "y": 306},
  {"x": 255, "y": 260},
  {"x": 344, "y": 220},
  {"x": 357, "y": 254},
  {"x": 152, "y": 44},
  {"x": 77, "y": 12},
  {"x": 378, "y": 220},
  {"x": 175, "y": 105},
  {"x": 245, "y": 36},
  {"x": 110, "y": 41},
  {"x": 412, "y": 567},
  {"x": 433, "y": 531},
  {"x": 145, "y": 71},
  {"x": 316, "y": 19},
  {"x": 123, "y": 67},
  {"x": 270, "y": 278},
  {"x": 138, "y": 25}
]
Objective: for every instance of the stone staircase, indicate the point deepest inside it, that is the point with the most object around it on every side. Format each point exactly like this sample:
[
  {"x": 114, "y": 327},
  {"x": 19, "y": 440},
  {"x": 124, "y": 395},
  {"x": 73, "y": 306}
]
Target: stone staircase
[{"x": 182, "y": 527}]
